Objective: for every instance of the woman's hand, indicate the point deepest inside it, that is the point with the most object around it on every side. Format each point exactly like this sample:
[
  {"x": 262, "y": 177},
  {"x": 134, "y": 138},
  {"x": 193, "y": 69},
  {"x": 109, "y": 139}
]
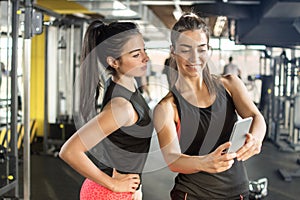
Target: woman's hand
[
  {"x": 218, "y": 161},
  {"x": 138, "y": 194},
  {"x": 125, "y": 182},
  {"x": 251, "y": 147}
]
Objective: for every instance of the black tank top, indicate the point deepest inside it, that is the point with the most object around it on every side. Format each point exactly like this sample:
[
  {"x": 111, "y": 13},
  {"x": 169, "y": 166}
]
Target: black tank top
[
  {"x": 125, "y": 149},
  {"x": 202, "y": 130}
]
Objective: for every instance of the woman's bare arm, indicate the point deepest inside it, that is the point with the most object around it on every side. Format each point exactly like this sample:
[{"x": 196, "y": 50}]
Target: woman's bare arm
[
  {"x": 246, "y": 108},
  {"x": 116, "y": 114},
  {"x": 178, "y": 162}
]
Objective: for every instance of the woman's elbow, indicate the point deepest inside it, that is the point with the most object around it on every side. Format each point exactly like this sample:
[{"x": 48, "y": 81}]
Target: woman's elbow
[
  {"x": 64, "y": 153},
  {"x": 174, "y": 168}
]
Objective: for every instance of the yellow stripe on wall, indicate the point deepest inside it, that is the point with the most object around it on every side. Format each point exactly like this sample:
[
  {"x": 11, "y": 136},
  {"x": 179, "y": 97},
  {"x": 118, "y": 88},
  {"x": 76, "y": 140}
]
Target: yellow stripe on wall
[
  {"x": 63, "y": 6},
  {"x": 37, "y": 81}
]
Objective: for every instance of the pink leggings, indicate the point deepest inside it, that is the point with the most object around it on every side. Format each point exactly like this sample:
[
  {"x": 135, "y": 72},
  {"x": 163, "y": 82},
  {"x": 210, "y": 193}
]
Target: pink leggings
[{"x": 93, "y": 191}]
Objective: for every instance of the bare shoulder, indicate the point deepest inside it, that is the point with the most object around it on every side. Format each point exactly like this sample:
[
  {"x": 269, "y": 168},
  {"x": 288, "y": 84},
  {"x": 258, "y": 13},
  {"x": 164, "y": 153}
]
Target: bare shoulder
[
  {"x": 165, "y": 107},
  {"x": 166, "y": 102},
  {"x": 234, "y": 85},
  {"x": 165, "y": 114},
  {"x": 231, "y": 81},
  {"x": 120, "y": 103},
  {"x": 120, "y": 106}
]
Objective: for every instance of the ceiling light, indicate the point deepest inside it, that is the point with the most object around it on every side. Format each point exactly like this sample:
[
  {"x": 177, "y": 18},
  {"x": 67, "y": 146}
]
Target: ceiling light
[
  {"x": 177, "y": 12},
  {"x": 80, "y": 15},
  {"x": 219, "y": 25},
  {"x": 124, "y": 13}
]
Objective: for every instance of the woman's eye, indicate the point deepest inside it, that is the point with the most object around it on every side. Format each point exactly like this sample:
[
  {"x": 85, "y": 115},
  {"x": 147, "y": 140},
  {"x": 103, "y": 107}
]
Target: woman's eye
[
  {"x": 136, "y": 55},
  {"x": 185, "y": 51}
]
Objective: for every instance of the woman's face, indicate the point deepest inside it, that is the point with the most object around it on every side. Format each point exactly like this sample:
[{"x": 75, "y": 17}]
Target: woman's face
[
  {"x": 133, "y": 61},
  {"x": 191, "y": 52}
]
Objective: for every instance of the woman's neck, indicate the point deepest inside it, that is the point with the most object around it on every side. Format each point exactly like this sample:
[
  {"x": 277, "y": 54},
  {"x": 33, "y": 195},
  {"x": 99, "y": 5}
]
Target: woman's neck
[
  {"x": 192, "y": 85},
  {"x": 126, "y": 81},
  {"x": 195, "y": 91}
]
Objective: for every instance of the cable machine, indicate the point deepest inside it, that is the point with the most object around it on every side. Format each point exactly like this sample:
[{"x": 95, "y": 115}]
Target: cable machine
[
  {"x": 294, "y": 129},
  {"x": 266, "y": 77},
  {"x": 60, "y": 79},
  {"x": 294, "y": 125},
  {"x": 286, "y": 88}
]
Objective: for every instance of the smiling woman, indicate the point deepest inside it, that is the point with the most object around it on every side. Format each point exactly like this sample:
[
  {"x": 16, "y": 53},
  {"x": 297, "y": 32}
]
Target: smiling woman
[
  {"x": 192, "y": 55},
  {"x": 195, "y": 119}
]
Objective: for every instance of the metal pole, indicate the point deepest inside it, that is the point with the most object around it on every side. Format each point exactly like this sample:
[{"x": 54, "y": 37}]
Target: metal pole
[
  {"x": 71, "y": 70},
  {"x": 45, "y": 144},
  {"x": 27, "y": 59},
  {"x": 26, "y": 156},
  {"x": 14, "y": 91}
]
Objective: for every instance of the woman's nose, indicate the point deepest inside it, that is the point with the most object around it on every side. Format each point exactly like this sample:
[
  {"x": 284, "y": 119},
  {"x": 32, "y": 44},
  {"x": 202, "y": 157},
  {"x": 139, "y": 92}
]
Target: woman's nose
[
  {"x": 194, "y": 57},
  {"x": 146, "y": 57}
]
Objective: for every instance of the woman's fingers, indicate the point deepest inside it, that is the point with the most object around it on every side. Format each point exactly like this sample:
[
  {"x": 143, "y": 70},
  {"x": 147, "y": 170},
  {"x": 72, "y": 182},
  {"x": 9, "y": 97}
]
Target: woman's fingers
[
  {"x": 219, "y": 160},
  {"x": 222, "y": 148},
  {"x": 126, "y": 182},
  {"x": 251, "y": 147}
]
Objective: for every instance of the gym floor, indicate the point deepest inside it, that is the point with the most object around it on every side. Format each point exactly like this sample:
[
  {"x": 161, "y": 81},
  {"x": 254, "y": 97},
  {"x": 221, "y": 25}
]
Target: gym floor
[{"x": 51, "y": 178}]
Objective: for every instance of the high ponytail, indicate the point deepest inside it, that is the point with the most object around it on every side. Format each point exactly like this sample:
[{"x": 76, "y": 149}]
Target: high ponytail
[
  {"x": 100, "y": 41},
  {"x": 89, "y": 70}
]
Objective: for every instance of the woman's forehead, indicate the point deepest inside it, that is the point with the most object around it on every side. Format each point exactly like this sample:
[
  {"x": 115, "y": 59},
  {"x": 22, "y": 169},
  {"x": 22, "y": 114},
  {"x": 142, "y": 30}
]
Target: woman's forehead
[
  {"x": 135, "y": 42},
  {"x": 192, "y": 37}
]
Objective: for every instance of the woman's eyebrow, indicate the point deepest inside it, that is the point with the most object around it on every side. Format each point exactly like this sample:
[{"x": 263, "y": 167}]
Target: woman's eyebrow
[
  {"x": 186, "y": 45},
  {"x": 132, "y": 51},
  {"x": 202, "y": 45}
]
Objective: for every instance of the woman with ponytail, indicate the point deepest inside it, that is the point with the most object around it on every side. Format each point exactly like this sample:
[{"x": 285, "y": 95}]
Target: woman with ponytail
[
  {"x": 110, "y": 146},
  {"x": 195, "y": 119}
]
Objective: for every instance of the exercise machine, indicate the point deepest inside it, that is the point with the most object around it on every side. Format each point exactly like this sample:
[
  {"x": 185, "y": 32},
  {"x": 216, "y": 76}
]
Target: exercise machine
[
  {"x": 288, "y": 175},
  {"x": 285, "y": 89}
]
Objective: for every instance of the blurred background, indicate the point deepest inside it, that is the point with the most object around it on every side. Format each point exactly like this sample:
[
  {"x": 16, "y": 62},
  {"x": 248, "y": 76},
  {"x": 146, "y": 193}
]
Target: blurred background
[{"x": 40, "y": 42}]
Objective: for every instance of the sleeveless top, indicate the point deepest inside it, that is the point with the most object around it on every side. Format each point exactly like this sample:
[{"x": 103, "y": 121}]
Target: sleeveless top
[
  {"x": 125, "y": 149},
  {"x": 201, "y": 131}
]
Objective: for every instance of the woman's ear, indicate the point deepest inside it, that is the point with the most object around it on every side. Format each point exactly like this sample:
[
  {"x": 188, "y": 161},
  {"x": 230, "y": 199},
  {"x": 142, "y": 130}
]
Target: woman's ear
[
  {"x": 172, "y": 50},
  {"x": 112, "y": 62}
]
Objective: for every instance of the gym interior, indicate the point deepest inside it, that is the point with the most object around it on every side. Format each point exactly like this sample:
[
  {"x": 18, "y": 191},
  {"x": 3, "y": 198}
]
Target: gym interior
[{"x": 40, "y": 60}]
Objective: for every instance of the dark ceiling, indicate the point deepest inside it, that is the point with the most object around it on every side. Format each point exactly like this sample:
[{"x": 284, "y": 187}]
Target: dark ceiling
[
  {"x": 269, "y": 22},
  {"x": 274, "y": 23}
]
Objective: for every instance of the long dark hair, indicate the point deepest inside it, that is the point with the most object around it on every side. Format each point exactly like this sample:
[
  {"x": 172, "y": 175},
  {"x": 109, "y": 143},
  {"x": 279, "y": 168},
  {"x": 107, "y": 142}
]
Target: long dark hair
[
  {"x": 190, "y": 21},
  {"x": 100, "y": 41}
]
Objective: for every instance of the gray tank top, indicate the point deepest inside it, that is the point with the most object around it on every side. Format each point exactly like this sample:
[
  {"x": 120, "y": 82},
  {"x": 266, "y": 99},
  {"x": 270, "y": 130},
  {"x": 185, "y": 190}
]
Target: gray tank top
[
  {"x": 201, "y": 131},
  {"x": 126, "y": 149}
]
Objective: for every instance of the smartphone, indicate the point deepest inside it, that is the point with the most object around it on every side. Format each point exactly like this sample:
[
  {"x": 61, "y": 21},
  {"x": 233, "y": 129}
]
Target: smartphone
[{"x": 238, "y": 134}]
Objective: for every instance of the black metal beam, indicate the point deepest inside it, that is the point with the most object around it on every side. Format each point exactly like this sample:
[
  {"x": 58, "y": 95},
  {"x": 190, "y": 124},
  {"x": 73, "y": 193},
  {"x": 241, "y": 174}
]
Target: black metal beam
[
  {"x": 232, "y": 11},
  {"x": 269, "y": 32},
  {"x": 8, "y": 187}
]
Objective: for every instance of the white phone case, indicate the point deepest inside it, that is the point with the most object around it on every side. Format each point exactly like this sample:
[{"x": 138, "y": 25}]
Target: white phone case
[{"x": 238, "y": 134}]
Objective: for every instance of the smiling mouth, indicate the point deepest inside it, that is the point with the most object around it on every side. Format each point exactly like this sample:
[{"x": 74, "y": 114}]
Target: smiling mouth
[{"x": 195, "y": 67}]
